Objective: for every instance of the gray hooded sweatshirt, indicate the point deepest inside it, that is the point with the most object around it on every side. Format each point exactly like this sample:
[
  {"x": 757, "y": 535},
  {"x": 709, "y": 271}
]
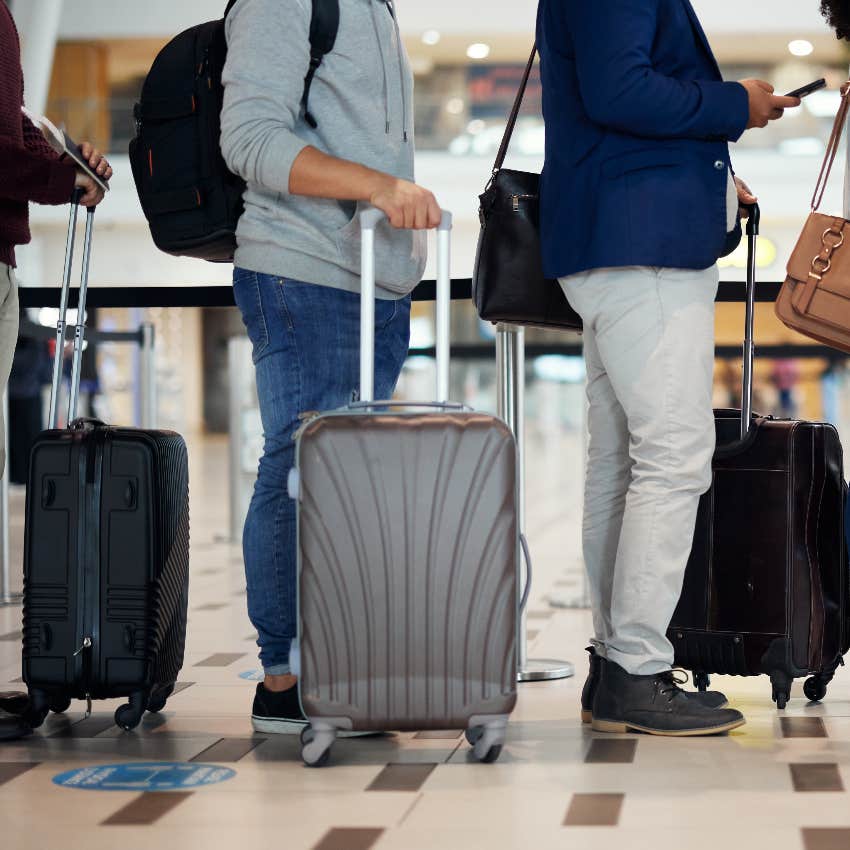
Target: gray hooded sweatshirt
[{"x": 362, "y": 99}]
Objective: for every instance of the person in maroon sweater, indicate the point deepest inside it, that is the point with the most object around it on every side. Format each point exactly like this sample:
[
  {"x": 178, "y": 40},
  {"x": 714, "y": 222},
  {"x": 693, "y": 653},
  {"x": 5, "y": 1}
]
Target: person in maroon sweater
[{"x": 29, "y": 171}]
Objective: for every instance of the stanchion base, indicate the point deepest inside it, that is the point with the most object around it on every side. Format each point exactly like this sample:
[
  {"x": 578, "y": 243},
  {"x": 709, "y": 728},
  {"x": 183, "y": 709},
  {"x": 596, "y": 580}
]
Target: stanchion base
[
  {"x": 11, "y": 599},
  {"x": 545, "y": 670}
]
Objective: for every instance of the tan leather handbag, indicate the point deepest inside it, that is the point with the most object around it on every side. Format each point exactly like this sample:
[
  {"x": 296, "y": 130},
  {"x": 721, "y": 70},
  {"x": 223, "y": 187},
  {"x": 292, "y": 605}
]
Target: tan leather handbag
[{"x": 815, "y": 299}]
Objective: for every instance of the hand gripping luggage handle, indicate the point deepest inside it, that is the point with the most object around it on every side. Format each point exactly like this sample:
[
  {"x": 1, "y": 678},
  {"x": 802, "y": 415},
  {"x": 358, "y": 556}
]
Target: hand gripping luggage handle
[
  {"x": 753, "y": 223},
  {"x": 61, "y": 324},
  {"x": 369, "y": 220}
]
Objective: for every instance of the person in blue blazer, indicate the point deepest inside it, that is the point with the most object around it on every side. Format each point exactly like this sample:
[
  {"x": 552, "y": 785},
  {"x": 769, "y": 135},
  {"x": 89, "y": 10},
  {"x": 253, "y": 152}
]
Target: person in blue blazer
[{"x": 638, "y": 201}]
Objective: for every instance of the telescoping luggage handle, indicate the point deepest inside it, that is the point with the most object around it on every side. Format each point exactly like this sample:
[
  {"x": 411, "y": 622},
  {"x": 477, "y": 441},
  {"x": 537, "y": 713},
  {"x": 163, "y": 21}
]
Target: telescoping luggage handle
[
  {"x": 753, "y": 223},
  {"x": 61, "y": 324},
  {"x": 369, "y": 220}
]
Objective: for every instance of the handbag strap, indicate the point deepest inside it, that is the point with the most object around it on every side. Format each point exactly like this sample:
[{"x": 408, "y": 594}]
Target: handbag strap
[
  {"x": 832, "y": 148},
  {"x": 509, "y": 130}
]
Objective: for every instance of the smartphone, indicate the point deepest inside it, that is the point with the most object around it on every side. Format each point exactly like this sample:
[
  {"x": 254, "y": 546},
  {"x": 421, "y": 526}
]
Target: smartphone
[{"x": 807, "y": 90}]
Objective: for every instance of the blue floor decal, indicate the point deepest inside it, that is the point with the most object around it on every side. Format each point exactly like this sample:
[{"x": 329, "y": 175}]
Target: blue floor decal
[{"x": 144, "y": 776}]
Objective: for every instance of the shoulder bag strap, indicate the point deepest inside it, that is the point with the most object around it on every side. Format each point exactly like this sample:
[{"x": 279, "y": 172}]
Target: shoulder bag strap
[
  {"x": 509, "y": 130},
  {"x": 832, "y": 148}
]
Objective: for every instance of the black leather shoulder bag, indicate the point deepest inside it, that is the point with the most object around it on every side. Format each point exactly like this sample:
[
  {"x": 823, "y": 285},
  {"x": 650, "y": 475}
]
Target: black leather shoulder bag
[{"x": 508, "y": 283}]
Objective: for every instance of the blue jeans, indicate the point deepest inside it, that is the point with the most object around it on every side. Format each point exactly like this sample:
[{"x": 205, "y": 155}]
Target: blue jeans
[{"x": 306, "y": 341}]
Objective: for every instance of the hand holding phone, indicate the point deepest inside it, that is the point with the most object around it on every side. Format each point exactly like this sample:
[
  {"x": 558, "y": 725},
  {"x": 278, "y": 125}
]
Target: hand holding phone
[{"x": 806, "y": 90}]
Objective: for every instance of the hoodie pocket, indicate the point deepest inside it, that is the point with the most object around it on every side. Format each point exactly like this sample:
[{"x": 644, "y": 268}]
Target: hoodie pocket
[{"x": 400, "y": 255}]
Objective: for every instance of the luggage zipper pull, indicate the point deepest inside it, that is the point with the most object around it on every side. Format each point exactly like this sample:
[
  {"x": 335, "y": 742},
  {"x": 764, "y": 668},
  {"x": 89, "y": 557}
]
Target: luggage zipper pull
[
  {"x": 86, "y": 645},
  {"x": 88, "y": 706}
]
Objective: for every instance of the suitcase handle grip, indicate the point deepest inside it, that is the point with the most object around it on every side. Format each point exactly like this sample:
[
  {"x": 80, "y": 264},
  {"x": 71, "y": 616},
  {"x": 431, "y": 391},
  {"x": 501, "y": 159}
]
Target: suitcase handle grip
[
  {"x": 86, "y": 423},
  {"x": 370, "y": 218}
]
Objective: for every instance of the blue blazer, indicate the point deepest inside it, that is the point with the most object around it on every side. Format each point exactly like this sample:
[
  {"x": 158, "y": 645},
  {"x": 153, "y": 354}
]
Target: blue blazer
[{"x": 638, "y": 121}]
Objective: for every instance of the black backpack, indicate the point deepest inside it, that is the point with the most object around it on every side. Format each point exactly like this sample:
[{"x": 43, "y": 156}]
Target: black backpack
[{"x": 192, "y": 201}]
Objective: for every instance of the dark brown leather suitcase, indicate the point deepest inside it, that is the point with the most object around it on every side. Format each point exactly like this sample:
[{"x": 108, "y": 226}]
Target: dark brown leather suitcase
[
  {"x": 766, "y": 587},
  {"x": 408, "y": 560}
]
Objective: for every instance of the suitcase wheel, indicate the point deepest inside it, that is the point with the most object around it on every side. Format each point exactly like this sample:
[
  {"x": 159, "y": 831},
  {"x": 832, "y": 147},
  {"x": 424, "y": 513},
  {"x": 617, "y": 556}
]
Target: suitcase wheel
[
  {"x": 316, "y": 746},
  {"x": 59, "y": 705},
  {"x": 781, "y": 683},
  {"x": 487, "y": 742},
  {"x": 129, "y": 715},
  {"x": 702, "y": 681},
  {"x": 39, "y": 708},
  {"x": 158, "y": 699},
  {"x": 815, "y": 688}
]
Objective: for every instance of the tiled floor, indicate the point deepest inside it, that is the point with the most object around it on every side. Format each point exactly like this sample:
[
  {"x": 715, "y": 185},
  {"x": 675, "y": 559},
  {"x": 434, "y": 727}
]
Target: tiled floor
[{"x": 778, "y": 784}]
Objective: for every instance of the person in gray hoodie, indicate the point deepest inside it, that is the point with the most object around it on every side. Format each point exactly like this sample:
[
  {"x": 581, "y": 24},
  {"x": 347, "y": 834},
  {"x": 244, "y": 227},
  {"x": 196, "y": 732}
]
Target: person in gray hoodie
[{"x": 296, "y": 277}]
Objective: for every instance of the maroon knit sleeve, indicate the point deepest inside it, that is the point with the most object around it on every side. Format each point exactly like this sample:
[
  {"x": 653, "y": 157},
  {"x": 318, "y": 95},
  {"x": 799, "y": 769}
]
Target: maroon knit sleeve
[{"x": 26, "y": 174}]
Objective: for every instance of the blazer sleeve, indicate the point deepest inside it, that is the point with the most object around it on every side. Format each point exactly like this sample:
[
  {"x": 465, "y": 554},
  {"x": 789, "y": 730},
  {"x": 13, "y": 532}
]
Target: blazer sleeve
[{"x": 620, "y": 88}]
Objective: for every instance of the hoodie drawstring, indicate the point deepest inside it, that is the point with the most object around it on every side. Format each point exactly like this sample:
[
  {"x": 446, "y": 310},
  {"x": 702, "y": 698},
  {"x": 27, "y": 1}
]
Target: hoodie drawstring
[{"x": 385, "y": 62}]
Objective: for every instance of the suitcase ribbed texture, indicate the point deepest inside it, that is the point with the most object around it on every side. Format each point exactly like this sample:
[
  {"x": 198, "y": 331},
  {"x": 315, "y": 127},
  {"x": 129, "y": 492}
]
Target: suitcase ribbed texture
[{"x": 408, "y": 541}]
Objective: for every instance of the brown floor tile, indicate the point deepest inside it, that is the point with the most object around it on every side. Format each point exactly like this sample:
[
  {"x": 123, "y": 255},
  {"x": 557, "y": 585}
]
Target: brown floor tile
[
  {"x": 826, "y": 839},
  {"x": 803, "y": 727},
  {"x": 531, "y": 634},
  {"x": 594, "y": 810},
  {"x": 221, "y": 659},
  {"x": 212, "y": 606},
  {"x": 12, "y": 770},
  {"x": 12, "y": 637},
  {"x": 402, "y": 777},
  {"x": 147, "y": 809},
  {"x": 539, "y": 615},
  {"x": 816, "y": 777},
  {"x": 614, "y": 751},
  {"x": 349, "y": 839},
  {"x": 181, "y": 686},
  {"x": 228, "y": 750}
]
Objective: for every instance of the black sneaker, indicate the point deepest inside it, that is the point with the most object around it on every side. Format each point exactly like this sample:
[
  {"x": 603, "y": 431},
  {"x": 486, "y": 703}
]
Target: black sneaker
[
  {"x": 13, "y": 726},
  {"x": 656, "y": 705},
  {"x": 277, "y": 712},
  {"x": 710, "y": 699},
  {"x": 15, "y": 702}
]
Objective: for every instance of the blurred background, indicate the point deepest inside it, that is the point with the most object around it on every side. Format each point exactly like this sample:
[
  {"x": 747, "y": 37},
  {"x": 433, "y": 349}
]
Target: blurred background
[{"x": 85, "y": 61}]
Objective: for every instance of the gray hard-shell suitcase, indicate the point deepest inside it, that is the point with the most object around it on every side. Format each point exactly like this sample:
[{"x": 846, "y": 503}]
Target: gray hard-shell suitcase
[{"x": 408, "y": 555}]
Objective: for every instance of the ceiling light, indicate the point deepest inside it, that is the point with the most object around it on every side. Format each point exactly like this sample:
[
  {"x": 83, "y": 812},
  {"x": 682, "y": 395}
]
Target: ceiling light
[
  {"x": 431, "y": 37},
  {"x": 478, "y": 51},
  {"x": 455, "y": 106},
  {"x": 801, "y": 47}
]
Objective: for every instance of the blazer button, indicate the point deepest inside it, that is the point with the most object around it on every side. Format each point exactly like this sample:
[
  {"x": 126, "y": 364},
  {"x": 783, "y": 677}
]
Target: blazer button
[{"x": 720, "y": 165}]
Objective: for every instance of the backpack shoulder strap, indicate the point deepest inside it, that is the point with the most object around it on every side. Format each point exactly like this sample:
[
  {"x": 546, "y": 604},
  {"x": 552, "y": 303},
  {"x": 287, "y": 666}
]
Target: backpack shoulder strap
[{"x": 324, "y": 27}]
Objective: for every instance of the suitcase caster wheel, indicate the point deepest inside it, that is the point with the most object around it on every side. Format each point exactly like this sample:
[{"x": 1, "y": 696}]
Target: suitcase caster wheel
[
  {"x": 488, "y": 746},
  {"x": 814, "y": 688},
  {"x": 39, "y": 708},
  {"x": 702, "y": 681},
  {"x": 159, "y": 698},
  {"x": 316, "y": 746},
  {"x": 492, "y": 754},
  {"x": 473, "y": 735},
  {"x": 59, "y": 705},
  {"x": 127, "y": 717},
  {"x": 781, "y": 689}
]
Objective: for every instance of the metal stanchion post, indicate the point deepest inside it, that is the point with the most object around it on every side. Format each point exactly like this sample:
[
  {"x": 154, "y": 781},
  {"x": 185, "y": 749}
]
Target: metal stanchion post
[
  {"x": 234, "y": 361},
  {"x": 6, "y": 595},
  {"x": 510, "y": 364},
  {"x": 147, "y": 367}
]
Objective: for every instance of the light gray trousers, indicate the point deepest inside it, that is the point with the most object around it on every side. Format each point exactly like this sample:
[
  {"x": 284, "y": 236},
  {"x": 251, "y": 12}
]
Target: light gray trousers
[
  {"x": 8, "y": 341},
  {"x": 649, "y": 348}
]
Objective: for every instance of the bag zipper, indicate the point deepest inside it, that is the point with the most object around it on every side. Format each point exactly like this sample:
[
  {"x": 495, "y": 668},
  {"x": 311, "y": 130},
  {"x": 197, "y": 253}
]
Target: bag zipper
[{"x": 515, "y": 199}]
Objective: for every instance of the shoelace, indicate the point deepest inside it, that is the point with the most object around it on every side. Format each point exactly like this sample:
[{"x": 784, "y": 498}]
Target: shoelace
[{"x": 671, "y": 684}]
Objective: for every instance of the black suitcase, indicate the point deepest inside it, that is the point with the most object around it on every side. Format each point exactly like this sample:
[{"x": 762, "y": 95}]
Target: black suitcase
[
  {"x": 106, "y": 559},
  {"x": 766, "y": 587}
]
